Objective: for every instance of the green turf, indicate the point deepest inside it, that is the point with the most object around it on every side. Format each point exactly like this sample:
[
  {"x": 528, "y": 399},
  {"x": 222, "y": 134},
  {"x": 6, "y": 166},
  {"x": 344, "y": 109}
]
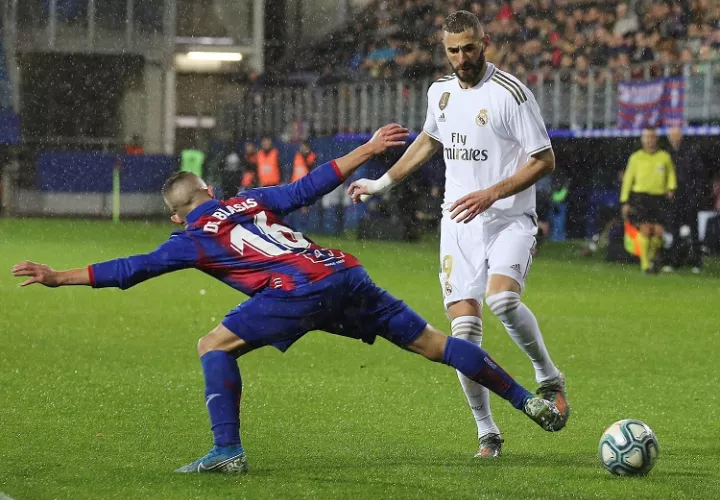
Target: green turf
[{"x": 101, "y": 393}]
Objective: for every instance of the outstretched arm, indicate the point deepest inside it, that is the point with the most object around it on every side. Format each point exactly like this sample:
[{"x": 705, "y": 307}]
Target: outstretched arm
[
  {"x": 179, "y": 252},
  {"x": 419, "y": 152},
  {"x": 45, "y": 275},
  {"x": 327, "y": 177},
  {"x": 471, "y": 205},
  {"x": 384, "y": 138}
]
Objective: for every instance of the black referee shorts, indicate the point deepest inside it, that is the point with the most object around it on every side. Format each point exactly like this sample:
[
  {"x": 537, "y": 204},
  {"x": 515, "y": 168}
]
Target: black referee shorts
[{"x": 648, "y": 208}]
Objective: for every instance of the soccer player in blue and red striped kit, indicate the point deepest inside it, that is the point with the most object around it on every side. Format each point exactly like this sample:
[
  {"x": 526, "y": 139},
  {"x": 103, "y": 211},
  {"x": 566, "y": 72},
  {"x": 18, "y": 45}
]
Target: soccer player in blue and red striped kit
[{"x": 295, "y": 286}]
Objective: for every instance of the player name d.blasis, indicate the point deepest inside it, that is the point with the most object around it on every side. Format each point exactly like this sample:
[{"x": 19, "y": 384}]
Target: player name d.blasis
[{"x": 223, "y": 213}]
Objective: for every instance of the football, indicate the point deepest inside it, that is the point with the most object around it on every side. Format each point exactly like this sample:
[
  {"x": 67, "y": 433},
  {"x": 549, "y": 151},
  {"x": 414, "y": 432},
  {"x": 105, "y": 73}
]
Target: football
[{"x": 628, "y": 448}]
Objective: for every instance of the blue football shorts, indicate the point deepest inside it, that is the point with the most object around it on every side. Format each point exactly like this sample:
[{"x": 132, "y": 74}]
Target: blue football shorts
[{"x": 347, "y": 303}]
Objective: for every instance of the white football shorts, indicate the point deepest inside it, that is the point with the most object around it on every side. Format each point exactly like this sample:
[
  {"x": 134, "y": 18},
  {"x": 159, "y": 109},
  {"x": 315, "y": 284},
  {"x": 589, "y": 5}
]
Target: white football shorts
[{"x": 469, "y": 253}]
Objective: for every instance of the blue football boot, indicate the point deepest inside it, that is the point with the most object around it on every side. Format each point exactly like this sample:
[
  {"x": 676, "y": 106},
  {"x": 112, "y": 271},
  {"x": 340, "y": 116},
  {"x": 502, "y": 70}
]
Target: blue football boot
[{"x": 228, "y": 459}]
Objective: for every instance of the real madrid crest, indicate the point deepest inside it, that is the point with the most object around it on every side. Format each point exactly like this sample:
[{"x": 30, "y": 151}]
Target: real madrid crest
[
  {"x": 444, "y": 100},
  {"x": 482, "y": 118},
  {"x": 448, "y": 288}
]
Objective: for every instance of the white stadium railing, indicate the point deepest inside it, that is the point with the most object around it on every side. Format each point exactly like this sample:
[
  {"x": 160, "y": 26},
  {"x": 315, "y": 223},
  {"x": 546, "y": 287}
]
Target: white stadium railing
[{"x": 360, "y": 107}]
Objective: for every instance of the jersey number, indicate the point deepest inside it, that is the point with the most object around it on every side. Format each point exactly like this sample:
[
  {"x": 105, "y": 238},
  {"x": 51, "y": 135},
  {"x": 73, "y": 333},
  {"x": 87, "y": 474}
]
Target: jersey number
[{"x": 273, "y": 242}]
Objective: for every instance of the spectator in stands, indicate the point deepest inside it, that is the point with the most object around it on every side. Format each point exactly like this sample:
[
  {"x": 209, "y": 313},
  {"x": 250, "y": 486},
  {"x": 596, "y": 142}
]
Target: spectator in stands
[
  {"x": 304, "y": 162},
  {"x": 230, "y": 174},
  {"x": 716, "y": 193},
  {"x": 268, "y": 164},
  {"x": 692, "y": 183},
  {"x": 135, "y": 147},
  {"x": 248, "y": 167},
  {"x": 643, "y": 52},
  {"x": 582, "y": 71},
  {"x": 525, "y": 31},
  {"x": 677, "y": 22},
  {"x": 414, "y": 63}
]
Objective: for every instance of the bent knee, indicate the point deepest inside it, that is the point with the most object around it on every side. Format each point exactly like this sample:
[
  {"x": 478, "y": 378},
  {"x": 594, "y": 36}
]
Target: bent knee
[
  {"x": 221, "y": 339},
  {"x": 503, "y": 303},
  {"x": 464, "y": 307},
  {"x": 206, "y": 344}
]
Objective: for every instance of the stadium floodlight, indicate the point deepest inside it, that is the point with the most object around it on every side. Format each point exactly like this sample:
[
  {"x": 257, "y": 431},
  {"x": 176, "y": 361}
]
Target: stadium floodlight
[{"x": 214, "y": 56}]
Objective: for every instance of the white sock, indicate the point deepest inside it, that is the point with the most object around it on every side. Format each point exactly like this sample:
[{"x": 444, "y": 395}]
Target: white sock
[
  {"x": 522, "y": 326},
  {"x": 470, "y": 328}
]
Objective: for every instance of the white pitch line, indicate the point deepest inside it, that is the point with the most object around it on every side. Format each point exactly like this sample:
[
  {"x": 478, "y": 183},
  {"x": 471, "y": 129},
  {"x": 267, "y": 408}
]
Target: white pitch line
[{"x": 3, "y": 496}]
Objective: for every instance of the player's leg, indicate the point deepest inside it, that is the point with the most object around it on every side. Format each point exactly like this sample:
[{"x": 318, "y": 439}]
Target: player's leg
[
  {"x": 509, "y": 258},
  {"x": 369, "y": 310},
  {"x": 266, "y": 319},
  {"x": 466, "y": 324},
  {"x": 463, "y": 277},
  {"x": 642, "y": 219},
  {"x": 477, "y": 365},
  {"x": 218, "y": 351},
  {"x": 645, "y": 236},
  {"x": 656, "y": 243}
]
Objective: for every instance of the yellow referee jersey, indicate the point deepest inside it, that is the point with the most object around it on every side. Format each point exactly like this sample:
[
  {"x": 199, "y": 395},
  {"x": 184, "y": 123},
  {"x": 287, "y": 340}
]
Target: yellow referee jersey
[{"x": 648, "y": 174}]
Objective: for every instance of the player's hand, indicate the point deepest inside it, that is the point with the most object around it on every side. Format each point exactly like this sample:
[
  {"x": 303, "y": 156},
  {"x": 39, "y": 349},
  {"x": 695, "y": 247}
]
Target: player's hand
[
  {"x": 625, "y": 211},
  {"x": 471, "y": 205},
  {"x": 388, "y": 136},
  {"x": 671, "y": 195},
  {"x": 361, "y": 190},
  {"x": 38, "y": 273}
]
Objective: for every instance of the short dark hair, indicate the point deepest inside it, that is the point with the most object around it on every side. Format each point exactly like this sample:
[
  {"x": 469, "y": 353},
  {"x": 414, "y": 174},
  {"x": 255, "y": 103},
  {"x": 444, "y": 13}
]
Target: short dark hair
[
  {"x": 462, "y": 20},
  {"x": 173, "y": 179}
]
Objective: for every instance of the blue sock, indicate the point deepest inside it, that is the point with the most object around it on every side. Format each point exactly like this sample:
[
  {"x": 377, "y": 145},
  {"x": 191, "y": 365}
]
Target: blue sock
[
  {"x": 223, "y": 387},
  {"x": 476, "y": 364}
]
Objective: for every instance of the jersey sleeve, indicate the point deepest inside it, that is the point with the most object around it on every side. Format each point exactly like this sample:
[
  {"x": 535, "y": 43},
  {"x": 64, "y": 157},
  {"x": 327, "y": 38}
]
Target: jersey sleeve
[
  {"x": 430, "y": 127},
  {"x": 628, "y": 179},
  {"x": 178, "y": 252},
  {"x": 285, "y": 199},
  {"x": 527, "y": 127},
  {"x": 672, "y": 175}
]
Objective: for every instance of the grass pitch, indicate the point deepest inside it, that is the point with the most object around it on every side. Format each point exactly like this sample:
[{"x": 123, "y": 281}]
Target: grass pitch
[{"x": 101, "y": 392}]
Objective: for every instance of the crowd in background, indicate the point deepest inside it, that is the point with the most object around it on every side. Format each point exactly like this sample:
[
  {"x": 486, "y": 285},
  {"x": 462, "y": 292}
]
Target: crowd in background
[
  {"x": 233, "y": 170},
  {"x": 402, "y": 38}
]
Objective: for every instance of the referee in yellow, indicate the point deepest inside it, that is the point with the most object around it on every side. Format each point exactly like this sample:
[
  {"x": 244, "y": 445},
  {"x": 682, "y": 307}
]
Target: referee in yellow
[{"x": 648, "y": 183}]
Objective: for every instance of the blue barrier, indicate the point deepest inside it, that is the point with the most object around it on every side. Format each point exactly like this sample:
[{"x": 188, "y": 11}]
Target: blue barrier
[
  {"x": 9, "y": 127},
  {"x": 597, "y": 199},
  {"x": 92, "y": 172},
  {"x": 557, "y": 220}
]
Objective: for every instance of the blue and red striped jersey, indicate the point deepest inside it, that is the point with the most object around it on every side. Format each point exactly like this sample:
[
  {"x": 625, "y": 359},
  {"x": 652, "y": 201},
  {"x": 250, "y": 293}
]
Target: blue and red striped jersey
[{"x": 242, "y": 241}]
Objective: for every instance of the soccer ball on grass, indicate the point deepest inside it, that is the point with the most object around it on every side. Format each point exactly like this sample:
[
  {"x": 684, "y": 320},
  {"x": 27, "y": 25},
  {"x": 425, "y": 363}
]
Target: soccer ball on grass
[{"x": 628, "y": 448}]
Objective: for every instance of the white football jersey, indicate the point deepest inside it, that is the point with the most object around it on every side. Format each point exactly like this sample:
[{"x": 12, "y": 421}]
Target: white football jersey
[{"x": 488, "y": 133}]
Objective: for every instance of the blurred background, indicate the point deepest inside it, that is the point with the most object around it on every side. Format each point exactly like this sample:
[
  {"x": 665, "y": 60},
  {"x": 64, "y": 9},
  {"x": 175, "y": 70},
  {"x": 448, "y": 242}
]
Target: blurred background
[{"x": 100, "y": 100}]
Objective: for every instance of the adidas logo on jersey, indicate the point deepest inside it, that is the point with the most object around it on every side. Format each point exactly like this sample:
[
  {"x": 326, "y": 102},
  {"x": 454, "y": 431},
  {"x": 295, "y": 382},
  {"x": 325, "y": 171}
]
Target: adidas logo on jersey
[
  {"x": 515, "y": 267},
  {"x": 442, "y": 118}
]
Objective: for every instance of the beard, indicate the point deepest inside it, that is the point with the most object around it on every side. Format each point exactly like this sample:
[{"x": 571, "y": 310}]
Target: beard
[{"x": 470, "y": 70}]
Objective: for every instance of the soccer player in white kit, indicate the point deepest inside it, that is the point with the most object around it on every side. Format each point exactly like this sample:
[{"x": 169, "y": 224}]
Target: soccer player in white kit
[{"x": 496, "y": 148}]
